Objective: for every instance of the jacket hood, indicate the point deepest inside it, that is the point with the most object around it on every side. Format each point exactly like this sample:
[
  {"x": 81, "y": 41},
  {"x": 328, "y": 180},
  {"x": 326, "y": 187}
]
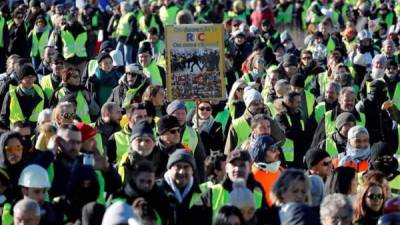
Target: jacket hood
[{"x": 3, "y": 141}]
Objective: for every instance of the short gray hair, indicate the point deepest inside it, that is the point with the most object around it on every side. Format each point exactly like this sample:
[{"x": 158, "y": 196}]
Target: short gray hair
[
  {"x": 27, "y": 205},
  {"x": 336, "y": 86},
  {"x": 334, "y": 202}
]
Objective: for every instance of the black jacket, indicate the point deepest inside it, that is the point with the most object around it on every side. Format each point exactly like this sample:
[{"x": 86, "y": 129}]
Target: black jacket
[
  {"x": 106, "y": 129},
  {"x": 181, "y": 212},
  {"x": 296, "y": 132},
  {"x": 156, "y": 198},
  {"x": 18, "y": 40}
]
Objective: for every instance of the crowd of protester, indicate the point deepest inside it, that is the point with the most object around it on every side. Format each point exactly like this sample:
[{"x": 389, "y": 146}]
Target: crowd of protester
[{"x": 308, "y": 132}]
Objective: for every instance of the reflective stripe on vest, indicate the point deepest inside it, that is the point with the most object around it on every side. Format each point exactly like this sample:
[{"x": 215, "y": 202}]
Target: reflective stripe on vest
[
  {"x": 242, "y": 129},
  {"x": 288, "y": 146},
  {"x": 82, "y": 108},
  {"x": 16, "y": 113},
  {"x": 330, "y": 147},
  {"x": 320, "y": 110},
  {"x": 153, "y": 72},
  {"x": 221, "y": 197},
  {"x": 310, "y": 99},
  {"x": 47, "y": 86},
  {"x": 92, "y": 66},
  {"x": 74, "y": 47},
  {"x": 122, "y": 144},
  {"x": 330, "y": 125},
  {"x": 190, "y": 139},
  {"x": 2, "y": 23},
  {"x": 38, "y": 44},
  {"x": 123, "y": 27},
  {"x": 223, "y": 118}
]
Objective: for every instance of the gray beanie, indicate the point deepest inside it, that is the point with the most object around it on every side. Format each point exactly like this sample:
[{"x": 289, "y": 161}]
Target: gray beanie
[
  {"x": 355, "y": 131},
  {"x": 175, "y": 105},
  {"x": 250, "y": 95},
  {"x": 181, "y": 155},
  {"x": 344, "y": 118}
]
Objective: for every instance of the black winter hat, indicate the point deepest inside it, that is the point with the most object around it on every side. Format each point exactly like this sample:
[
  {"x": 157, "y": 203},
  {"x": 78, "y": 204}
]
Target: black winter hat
[
  {"x": 297, "y": 80},
  {"x": 142, "y": 129},
  {"x": 314, "y": 156},
  {"x": 344, "y": 118},
  {"x": 103, "y": 55},
  {"x": 145, "y": 48},
  {"x": 166, "y": 123},
  {"x": 377, "y": 86},
  {"x": 379, "y": 149},
  {"x": 106, "y": 45},
  {"x": 26, "y": 70},
  {"x": 181, "y": 155}
]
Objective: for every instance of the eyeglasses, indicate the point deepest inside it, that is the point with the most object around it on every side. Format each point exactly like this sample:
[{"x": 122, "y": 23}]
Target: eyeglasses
[
  {"x": 14, "y": 149},
  {"x": 205, "y": 109},
  {"x": 68, "y": 116},
  {"x": 327, "y": 163},
  {"x": 173, "y": 131},
  {"x": 375, "y": 197}
]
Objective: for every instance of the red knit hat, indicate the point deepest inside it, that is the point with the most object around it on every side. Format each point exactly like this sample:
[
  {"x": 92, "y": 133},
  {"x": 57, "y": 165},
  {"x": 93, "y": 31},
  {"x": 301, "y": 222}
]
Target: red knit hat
[{"x": 86, "y": 131}]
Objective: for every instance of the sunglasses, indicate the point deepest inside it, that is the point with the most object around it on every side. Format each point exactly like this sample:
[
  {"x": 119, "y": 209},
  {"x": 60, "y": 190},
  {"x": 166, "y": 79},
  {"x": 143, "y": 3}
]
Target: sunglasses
[
  {"x": 375, "y": 196},
  {"x": 173, "y": 131},
  {"x": 14, "y": 149},
  {"x": 68, "y": 116},
  {"x": 205, "y": 109}
]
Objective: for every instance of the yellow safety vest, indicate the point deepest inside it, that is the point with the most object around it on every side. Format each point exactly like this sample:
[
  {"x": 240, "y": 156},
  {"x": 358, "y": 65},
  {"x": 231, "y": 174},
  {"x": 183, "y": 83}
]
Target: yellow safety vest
[
  {"x": 190, "y": 138},
  {"x": 242, "y": 129},
  {"x": 396, "y": 95},
  {"x": 74, "y": 47},
  {"x": 221, "y": 197},
  {"x": 288, "y": 146},
  {"x": 330, "y": 147},
  {"x": 168, "y": 14},
  {"x": 82, "y": 108},
  {"x": 223, "y": 118},
  {"x": 92, "y": 66},
  {"x": 330, "y": 125},
  {"x": 310, "y": 99},
  {"x": 38, "y": 44},
  {"x": 2, "y": 23},
  {"x": 47, "y": 86},
  {"x": 123, "y": 27},
  {"x": 153, "y": 72},
  {"x": 122, "y": 144},
  {"x": 320, "y": 110},
  {"x": 16, "y": 113},
  {"x": 144, "y": 28}
]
